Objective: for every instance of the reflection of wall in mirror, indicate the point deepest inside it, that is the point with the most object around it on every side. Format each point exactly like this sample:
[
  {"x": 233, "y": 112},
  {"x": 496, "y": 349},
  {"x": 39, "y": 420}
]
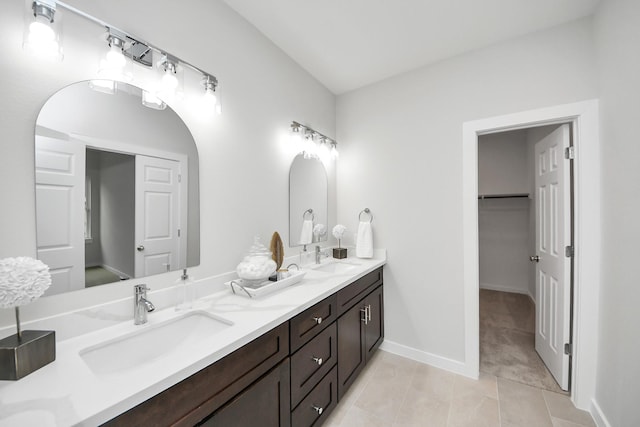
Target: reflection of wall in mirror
[{"x": 307, "y": 190}]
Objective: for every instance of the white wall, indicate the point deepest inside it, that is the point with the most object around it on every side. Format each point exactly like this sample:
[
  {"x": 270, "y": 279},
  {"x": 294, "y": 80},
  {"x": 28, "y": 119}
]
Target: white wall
[
  {"x": 401, "y": 156},
  {"x": 503, "y": 224},
  {"x": 244, "y": 154},
  {"x": 617, "y": 37},
  {"x": 502, "y": 163},
  {"x": 117, "y": 211}
]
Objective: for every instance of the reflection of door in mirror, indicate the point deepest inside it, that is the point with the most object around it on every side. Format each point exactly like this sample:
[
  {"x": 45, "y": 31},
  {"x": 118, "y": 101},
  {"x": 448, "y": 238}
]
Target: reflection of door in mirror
[
  {"x": 131, "y": 211},
  {"x": 308, "y": 200},
  {"x": 88, "y": 146},
  {"x": 60, "y": 181},
  {"x": 157, "y": 215}
]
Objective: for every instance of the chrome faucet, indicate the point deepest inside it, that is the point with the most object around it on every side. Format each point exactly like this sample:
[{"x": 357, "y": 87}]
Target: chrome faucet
[
  {"x": 319, "y": 254},
  {"x": 141, "y": 305}
]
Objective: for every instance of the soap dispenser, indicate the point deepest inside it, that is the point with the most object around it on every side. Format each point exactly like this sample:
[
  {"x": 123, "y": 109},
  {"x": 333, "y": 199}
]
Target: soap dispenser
[
  {"x": 185, "y": 292},
  {"x": 306, "y": 257}
]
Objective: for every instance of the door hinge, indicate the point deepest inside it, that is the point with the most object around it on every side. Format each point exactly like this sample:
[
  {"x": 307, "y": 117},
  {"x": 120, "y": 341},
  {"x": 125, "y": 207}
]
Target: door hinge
[
  {"x": 568, "y": 251},
  {"x": 567, "y": 349},
  {"x": 179, "y": 178},
  {"x": 570, "y": 153},
  {"x": 178, "y": 232}
]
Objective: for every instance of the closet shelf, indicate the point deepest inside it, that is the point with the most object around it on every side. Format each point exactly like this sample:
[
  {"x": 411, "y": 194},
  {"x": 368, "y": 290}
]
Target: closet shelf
[{"x": 503, "y": 196}]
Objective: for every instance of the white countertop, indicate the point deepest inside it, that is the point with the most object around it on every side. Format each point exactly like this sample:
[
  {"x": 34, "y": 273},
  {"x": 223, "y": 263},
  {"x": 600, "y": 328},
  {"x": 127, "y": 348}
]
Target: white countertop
[{"x": 67, "y": 392}]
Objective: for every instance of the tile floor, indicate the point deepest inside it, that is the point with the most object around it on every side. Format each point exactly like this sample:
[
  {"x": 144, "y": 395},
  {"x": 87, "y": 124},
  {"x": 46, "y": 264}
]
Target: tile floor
[
  {"x": 395, "y": 391},
  {"x": 507, "y": 340}
]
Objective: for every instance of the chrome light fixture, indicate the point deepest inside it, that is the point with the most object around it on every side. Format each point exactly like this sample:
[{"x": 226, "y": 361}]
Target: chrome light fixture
[
  {"x": 42, "y": 35},
  {"x": 210, "y": 100},
  {"x": 170, "y": 77},
  {"x": 113, "y": 66},
  {"x": 312, "y": 143}
]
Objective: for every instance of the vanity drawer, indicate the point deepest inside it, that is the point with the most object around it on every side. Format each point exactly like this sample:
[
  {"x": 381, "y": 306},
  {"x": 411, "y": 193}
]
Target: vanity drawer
[
  {"x": 312, "y": 321},
  {"x": 312, "y": 362},
  {"x": 194, "y": 398},
  {"x": 349, "y": 296},
  {"x": 316, "y": 407}
]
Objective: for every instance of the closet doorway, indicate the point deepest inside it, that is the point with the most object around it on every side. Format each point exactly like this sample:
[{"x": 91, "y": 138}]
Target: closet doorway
[{"x": 525, "y": 259}]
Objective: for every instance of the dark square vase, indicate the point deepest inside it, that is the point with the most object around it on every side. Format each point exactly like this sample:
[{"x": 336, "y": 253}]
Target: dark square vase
[{"x": 339, "y": 253}]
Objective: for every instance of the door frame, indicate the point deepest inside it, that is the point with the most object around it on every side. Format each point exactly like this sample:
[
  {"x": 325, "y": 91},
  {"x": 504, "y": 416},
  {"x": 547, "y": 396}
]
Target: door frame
[{"x": 584, "y": 117}]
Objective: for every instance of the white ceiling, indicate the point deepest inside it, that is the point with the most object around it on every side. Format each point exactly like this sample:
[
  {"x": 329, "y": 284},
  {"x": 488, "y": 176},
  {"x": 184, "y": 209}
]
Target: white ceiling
[{"x": 347, "y": 44}]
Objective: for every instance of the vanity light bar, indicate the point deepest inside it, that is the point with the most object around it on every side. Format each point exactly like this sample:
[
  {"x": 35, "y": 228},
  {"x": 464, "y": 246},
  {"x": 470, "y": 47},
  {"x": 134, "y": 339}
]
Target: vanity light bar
[
  {"x": 136, "y": 42},
  {"x": 313, "y": 134}
]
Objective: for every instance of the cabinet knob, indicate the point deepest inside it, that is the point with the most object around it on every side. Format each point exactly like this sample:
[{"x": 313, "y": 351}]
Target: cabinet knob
[
  {"x": 318, "y": 320},
  {"x": 318, "y": 360},
  {"x": 318, "y": 409}
]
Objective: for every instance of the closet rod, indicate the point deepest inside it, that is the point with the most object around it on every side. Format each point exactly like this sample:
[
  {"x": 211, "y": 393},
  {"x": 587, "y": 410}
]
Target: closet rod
[{"x": 503, "y": 196}]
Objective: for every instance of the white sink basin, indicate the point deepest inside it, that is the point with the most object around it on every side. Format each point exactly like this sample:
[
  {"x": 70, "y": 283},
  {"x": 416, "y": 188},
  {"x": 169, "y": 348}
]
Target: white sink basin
[
  {"x": 151, "y": 342},
  {"x": 337, "y": 267}
]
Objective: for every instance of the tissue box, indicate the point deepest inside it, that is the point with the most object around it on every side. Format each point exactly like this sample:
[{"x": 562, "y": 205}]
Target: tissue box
[
  {"x": 19, "y": 358},
  {"x": 339, "y": 253}
]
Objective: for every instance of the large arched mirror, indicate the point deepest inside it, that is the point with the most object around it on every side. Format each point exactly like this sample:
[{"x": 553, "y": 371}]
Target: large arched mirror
[
  {"x": 116, "y": 188},
  {"x": 308, "y": 200}
]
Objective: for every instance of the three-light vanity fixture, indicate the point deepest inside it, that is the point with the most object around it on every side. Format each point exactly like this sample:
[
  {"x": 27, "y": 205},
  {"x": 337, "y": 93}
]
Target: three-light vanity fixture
[
  {"x": 123, "y": 51},
  {"x": 312, "y": 142}
]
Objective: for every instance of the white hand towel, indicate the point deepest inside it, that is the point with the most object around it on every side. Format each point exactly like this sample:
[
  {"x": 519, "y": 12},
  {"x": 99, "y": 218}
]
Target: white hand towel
[
  {"x": 306, "y": 234},
  {"x": 364, "y": 240}
]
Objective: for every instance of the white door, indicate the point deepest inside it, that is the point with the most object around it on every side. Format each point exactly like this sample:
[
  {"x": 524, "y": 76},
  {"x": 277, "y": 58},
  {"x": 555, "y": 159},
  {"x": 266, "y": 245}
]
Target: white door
[
  {"x": 60, "y": 180},
  {"x": 553, "y": 269},
  {"x": 157, "y": 226}
]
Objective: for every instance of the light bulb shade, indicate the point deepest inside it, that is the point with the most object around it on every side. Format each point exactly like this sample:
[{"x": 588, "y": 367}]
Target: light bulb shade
[
  {"x": 105, "y": 86},
  {"x": 334, "y": 152},
  {"x": 115, "y": 58},
  {"x": 169, "y": 81},
  {"x": 152, "y": 101},
  {"x": 115, "y": 66},
  {"x": 42, "y": 34},
  {"x": 210, "y": 101}
]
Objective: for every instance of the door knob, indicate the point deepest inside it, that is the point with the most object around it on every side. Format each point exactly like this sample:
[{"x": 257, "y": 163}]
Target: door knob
[
  {"x": 140, "y": 248},
  {"x": 535, "y": 258}
]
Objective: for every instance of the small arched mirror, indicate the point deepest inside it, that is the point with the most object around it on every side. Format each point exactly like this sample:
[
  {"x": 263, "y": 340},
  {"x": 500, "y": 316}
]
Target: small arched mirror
[
  {"x": 308, "y": 200},
  {"x": 116, "y": 187}
]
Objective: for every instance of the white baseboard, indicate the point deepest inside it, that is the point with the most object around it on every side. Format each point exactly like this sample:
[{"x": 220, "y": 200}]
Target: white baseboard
[
  {"x": 501, "y": 288},
  {"x": 115, "y": 271},
  {"x": 598, "y": 415},
  {"x": 445, "y": 363}
]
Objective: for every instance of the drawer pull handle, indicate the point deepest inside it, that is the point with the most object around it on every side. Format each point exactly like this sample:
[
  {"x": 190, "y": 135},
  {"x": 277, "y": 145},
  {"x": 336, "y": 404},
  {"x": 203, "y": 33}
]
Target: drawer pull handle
[
  {"x": 318, "y": 320},
  {"x": 365, "y": 317},
  {"x": 318, "y": 360},
  {"x": 318, "y": 409}
]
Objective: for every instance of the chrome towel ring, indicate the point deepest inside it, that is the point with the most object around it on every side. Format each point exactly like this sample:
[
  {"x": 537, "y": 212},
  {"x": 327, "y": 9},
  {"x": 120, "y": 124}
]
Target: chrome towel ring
[
  {"x": 310, "y": 212},
  {"x": 366, "y": 211}
]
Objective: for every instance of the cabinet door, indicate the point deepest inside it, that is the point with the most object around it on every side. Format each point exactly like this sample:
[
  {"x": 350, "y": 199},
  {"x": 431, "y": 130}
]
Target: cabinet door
[
  {"x": 374, "y": 329},
  {"x": 265, "y": 403},
  {"x": 351, "y": 349}
]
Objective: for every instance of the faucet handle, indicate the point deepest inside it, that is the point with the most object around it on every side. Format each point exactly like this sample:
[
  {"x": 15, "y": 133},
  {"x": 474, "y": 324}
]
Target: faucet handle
[{"x": 141, "y": 287}]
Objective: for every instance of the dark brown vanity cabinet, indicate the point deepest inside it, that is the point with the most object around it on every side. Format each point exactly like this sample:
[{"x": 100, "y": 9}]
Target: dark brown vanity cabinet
[
  {"x": 292, "y": 375},
  {"x": 199, "y": 396},
  {"x": 360, "y": 333},
  {"x": 265, "y": 403}
]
